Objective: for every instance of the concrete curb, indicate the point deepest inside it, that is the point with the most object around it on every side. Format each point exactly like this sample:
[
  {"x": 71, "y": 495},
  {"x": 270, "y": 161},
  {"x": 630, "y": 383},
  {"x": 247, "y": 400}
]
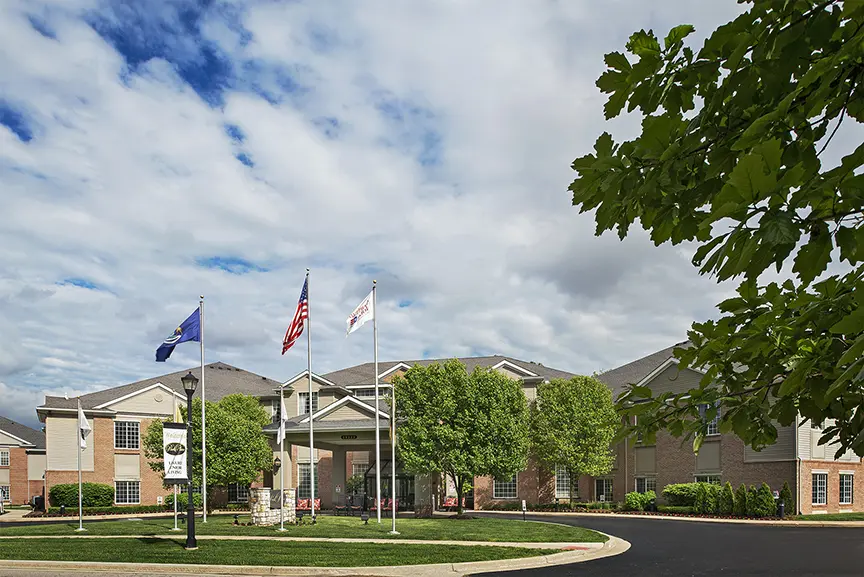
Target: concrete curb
[
  {"x": 768, "y": 523},
  {"x": 614, "y": 546}
]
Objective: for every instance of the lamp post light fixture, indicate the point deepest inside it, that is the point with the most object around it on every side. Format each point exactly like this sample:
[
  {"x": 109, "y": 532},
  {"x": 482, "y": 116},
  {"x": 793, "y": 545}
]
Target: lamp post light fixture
[
  {"x": 190, "y": 383},
  {"x": 277, "y": 464}
]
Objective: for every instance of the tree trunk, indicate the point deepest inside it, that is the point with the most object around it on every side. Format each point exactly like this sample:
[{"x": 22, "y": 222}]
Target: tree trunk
[{"x": 570, "y": 487}]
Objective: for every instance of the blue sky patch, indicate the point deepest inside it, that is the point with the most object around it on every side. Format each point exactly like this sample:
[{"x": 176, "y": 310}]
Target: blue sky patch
[
  {"x": 329, "y": 126},
  {"x": 416, "y": 127},
  {"x": 41, "y": 26},
  {"x": 15, "y": 120},
  {"x": 230, "y": 264},
  {"x": 80, "y": 283},
  {"x": 235, "y": 133},
  {"x": 245, "y": 159},
  {"x": 403, "y": 304}
]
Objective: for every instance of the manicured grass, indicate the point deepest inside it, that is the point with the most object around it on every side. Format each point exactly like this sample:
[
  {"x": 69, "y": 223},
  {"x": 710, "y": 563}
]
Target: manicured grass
[
  {"x": 482, "y": 529},
  {"x": 270, "y": 553},
  {"x": 831, "y": 517}
]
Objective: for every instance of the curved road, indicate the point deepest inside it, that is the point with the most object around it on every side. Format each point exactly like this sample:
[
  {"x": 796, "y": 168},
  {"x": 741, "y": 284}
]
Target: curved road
[{"x": 663, "y": 548}]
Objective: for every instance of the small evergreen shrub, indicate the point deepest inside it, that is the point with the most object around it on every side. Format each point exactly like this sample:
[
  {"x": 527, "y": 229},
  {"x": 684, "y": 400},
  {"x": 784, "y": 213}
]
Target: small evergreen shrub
[
  {"x": 751, "y": 501},
  {"x": 701, "y": 504},
  {"x": 787, "y": 499},
  {"x": 92, "y": 495},
  {"x": 764, "y": 504},
  {"x": 740, "y": 507},
  {"x": 712, "y": 499},
  {"x": 727, "y": 499}
]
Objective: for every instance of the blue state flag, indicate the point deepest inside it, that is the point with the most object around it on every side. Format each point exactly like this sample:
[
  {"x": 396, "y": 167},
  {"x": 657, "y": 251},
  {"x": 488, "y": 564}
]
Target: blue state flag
[{"x": 189, "y": 330}]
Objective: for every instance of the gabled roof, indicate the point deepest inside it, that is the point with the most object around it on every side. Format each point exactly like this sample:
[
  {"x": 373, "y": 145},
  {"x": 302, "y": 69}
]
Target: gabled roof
[
  {"x": 365, "y": 374},
  {"x": 349, "y": 400},
  {"x": 636, "y": 371},
  {"x": 220, "y": 380},
  {"x": 31, "y": 437}
]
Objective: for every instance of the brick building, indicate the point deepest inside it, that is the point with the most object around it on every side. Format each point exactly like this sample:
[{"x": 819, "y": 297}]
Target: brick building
[{"x": 22, "y": 462}]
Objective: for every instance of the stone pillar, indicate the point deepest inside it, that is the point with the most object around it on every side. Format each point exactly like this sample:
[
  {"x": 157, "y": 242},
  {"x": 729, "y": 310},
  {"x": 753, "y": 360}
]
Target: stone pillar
[
  {"x": 424, "y": 495},
  {"x": 337, "y": 476}
]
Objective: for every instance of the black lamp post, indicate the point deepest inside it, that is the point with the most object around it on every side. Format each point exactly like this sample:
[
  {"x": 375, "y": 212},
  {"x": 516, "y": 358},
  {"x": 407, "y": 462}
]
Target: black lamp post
[{"x": 190, "y": 383}]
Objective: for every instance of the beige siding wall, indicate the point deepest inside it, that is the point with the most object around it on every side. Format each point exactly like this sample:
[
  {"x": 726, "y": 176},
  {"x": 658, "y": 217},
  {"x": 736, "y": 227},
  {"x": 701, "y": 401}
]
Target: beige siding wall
[
  {"x": 7, "y": 441},
  {"x": 509, "y": 373},
  {"x": 782, "y": 450},
  {"x": 326, "y": 398},
  {"x": 36, "y": 466},
  {"x": 346, "y": 412},
  {"x": 303, "y": 454},
  {"x": 156, "y": 401},
  {"x": 61, "y": 436},
  {"x": 809, "y": 448},
  {"x": 674, "y": 380}
]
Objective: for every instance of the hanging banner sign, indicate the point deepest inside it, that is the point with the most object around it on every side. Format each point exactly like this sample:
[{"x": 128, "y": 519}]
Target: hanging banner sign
[{"x": 174, "y": 452}]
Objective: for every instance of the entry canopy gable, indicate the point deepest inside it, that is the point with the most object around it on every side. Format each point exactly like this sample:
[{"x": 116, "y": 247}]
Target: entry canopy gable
[
  {"x": 352, "y": 401},
  {"x": 302, "y": 376}
]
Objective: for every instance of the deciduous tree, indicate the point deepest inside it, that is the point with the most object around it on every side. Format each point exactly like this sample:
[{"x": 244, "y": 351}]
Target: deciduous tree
[
  {"x": 573, "y": 423},
  {"x": 732, "y": 155},
  {"x": 460, "y": 424}
]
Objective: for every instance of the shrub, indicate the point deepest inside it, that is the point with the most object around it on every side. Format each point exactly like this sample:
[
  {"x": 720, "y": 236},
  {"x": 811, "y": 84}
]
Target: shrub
[
  {"x": 764, "y": 504},
  {"x": 751, "y": 501},
  {"x": 92, "y": 495},
  {"x": 638, "y": 501},
  {"x": 701, "y": 504},
  {"x": 681, "y": 494},
  {"x": 117, "y": 509},
  {"x": 675, "y": 509},
  {"x": 183, "y": 501},
  {"x": 741, "y": 501},
  {"x": 727, "y": 499},
  {"x": 787, "y": 498},
  {"x": 712, "y": 498}
]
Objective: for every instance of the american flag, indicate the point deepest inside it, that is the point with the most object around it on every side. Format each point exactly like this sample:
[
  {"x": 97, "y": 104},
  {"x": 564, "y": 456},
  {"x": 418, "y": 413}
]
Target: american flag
[{"x": 296, "y": 328}]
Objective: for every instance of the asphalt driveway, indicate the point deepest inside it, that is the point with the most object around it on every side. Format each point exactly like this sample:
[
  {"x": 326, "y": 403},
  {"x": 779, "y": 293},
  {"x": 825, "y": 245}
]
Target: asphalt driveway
[{"x": 678, "y": 548}]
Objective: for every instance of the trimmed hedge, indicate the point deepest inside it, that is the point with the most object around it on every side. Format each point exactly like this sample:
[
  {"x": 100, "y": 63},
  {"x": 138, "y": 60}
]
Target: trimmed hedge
[
  {"x": 92, "y": 495},
  {"x": 681, "y": 494},
  {"x": 115, "y": 510},
  {"x": 679, "y": 510}
]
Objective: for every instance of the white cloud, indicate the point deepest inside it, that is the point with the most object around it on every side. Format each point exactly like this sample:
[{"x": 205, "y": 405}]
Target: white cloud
[{"x": 131, "y": 177}]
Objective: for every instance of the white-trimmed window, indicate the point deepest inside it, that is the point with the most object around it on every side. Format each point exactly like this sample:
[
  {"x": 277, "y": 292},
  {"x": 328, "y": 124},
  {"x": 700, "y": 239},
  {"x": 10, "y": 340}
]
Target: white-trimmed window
[
  {"x": 238, "y": 493},
  {"x": 127, "y": 434},
  {"x": 713, "y": 479},
  {"x": 127, "y": 492},
  {"x": 820, "y": 488},
  {"x": 847, "y": 482},
  {"x": 304, "y": 486},
  {"x": 562, "y": 483},
  {"x": 303, "y": 404},
  {"x": 645, "y": 484},
  {"x": 504, "y": 488},
  {"x": 370, "y": 392},
  {"x": 4, "y": 493},
  {"x": 603, "y": 489},
  {"x": 712, "y": 427},
  {"x": 359, "y": 469},
  {"x": 4, "y": 457}
]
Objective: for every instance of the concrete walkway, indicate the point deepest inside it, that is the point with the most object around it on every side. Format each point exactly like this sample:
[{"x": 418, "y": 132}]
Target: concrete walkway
[
  {"x": 569, "y": 553},
  {"x": 764, "y": 523}
]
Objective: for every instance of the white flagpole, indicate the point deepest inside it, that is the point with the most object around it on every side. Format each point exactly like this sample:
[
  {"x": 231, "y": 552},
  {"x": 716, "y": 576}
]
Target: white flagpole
[
  {"x": 203, "y": 416},
  {"x": 393, "y": 530},
  {"x": 281, "y": 434},
  {"x": 377, "y": 426},
  {"x": 80, "y": 484},
  {"x": 309, "y": 372}
]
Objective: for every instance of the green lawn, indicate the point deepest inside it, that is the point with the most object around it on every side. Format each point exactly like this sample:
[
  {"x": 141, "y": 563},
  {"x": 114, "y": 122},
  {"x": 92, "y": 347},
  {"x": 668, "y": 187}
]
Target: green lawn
[
  {"x": 275, "y": 553},
  {"x": 483, "y": 529},
  {"x": 831, "y": 517}
]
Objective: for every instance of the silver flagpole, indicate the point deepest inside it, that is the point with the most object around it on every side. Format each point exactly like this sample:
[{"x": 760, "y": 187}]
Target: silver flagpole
[
  {"x": 309, "y": 372},
  {"x": 393, "y": 530},
  {"x": 80, "y": 499},
  {"x": 203, "y": 416},
  {"x": 377, "y": 426}
]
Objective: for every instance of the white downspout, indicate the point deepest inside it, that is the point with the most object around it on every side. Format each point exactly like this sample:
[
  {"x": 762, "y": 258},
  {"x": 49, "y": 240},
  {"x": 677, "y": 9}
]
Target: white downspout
[{"x": 797, "y": 467}]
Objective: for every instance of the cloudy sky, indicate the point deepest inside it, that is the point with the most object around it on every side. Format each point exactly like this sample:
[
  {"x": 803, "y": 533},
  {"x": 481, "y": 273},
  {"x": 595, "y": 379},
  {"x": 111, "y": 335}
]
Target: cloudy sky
[{"x": 154, "y": 151}]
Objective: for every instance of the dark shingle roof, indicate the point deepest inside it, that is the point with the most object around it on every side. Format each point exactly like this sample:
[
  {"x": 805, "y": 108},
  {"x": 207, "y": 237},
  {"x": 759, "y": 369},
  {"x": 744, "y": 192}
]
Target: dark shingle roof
[
  {"x": 221, "y": 379},
  {"x": 32, "y": 436},
  {"x": 365, "y": 374},
  {"x": 635, "y": 371}
]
